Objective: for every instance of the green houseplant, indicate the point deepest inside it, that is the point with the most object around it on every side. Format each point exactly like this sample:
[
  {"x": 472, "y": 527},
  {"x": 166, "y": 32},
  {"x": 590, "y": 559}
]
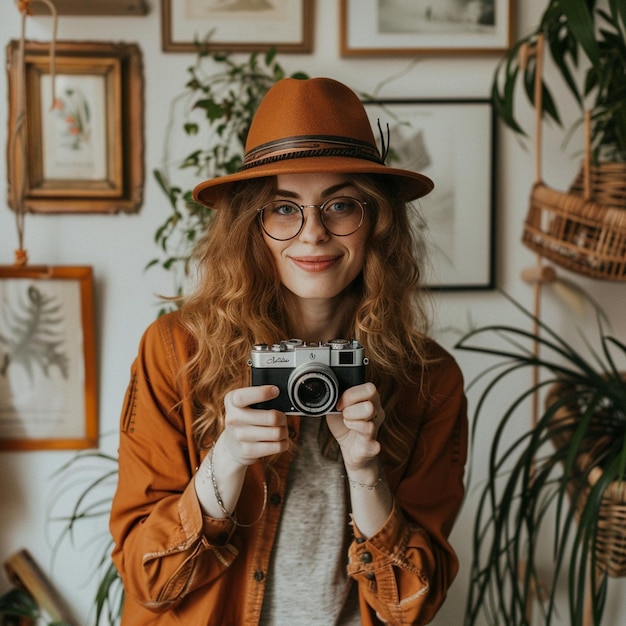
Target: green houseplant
[
  {"x": 89, "y": 479},
  {"x": 586, "y": 40},
  {"x": 18, "y": 604},
  {"x": 582, "y": 228},
  {"x": 554, "y": 481}
]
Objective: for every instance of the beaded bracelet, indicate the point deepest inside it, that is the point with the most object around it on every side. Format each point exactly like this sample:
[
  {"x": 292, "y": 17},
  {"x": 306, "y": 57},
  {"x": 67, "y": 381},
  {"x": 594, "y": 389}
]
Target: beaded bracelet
[{"x": 216, "y": 492}]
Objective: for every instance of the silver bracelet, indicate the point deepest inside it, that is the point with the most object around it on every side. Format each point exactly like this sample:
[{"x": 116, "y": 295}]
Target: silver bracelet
[
  {"x": 357, "y": 485},
  {"x": 216, "y": 492}
]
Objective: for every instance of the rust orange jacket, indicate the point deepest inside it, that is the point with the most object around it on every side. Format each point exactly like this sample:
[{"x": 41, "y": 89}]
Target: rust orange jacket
[{"x": 180, "y": 567}]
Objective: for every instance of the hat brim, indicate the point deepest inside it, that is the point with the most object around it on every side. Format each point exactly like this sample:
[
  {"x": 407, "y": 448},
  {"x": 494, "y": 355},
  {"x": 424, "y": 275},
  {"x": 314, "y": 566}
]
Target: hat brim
[{"x": 410, "y": 185}]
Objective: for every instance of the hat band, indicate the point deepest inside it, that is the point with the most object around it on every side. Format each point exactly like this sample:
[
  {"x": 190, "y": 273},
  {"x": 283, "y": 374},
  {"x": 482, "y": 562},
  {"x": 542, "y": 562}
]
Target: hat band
[{"x": 310, "y": 146}]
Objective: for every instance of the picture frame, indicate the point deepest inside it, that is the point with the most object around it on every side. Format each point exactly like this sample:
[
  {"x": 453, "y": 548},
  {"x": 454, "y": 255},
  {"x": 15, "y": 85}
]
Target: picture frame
[
  {"x": 80, "y": 149},
  {"x": 452, "y": 142},
  {"x": 287, "y": 26},
  {"x": 407, "y": 27},
  {"x": 48, "y": 384}
]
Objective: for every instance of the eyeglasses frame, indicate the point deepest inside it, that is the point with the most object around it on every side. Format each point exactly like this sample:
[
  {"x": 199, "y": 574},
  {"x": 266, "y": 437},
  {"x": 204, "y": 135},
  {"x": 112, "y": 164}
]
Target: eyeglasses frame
[{"x": 301, "y": 207}]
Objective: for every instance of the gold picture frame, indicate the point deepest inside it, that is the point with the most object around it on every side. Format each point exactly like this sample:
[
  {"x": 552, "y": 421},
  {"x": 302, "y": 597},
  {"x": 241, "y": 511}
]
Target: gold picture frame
[
  {"x": 81, "y": 149},
  {"x": 48, "y": 381},
  {"x": 404, "y": 27},
  {"x": 285, "y": 25}
]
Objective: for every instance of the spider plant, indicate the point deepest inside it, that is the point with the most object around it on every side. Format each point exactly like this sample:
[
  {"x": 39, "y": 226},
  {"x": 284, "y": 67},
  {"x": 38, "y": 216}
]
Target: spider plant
[
  {"x": 583, "y": 38},
  {"x": 89, "y": 479},
  {"x": 548, "y": 483}
]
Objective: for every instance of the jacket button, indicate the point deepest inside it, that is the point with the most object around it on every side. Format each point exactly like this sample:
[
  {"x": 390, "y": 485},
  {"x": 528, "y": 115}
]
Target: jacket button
[
  {"x": 221, "y": 539},
  {"x": 275, "y": 499},
  {"x": 259, "y": 575},
  {"x": 366, "y": 557}
]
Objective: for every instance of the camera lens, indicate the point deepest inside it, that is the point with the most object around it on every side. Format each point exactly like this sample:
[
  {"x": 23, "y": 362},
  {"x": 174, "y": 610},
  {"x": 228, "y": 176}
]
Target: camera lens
[{"x": 313, "y": 392}]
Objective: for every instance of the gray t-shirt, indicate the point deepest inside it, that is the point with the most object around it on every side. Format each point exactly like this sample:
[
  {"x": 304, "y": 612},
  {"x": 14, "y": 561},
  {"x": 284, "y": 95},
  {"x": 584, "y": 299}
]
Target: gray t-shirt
[{"x": 307, "y": 583}]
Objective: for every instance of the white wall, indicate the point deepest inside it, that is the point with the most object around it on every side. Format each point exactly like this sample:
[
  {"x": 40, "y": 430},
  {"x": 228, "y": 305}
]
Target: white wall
[{"x": 119, "y": 246}]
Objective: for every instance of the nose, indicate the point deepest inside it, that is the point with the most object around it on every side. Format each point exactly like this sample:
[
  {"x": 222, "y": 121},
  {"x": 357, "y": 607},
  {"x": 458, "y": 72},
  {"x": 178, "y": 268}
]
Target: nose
[{"x": 313, "y": 230}]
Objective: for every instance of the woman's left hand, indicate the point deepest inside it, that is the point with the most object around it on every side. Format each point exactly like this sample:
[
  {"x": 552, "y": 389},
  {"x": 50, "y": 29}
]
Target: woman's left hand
[{"x": 357, "y": 427}]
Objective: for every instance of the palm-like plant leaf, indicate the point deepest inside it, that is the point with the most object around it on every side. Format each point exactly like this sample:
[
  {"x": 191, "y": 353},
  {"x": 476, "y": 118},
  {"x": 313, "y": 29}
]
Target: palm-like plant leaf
[{"x": 578, "y": 34}]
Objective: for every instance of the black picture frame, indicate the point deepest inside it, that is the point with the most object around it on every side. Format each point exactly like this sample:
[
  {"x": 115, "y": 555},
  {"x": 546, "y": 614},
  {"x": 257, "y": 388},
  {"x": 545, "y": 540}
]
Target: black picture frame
[{"x": 453, "y": 142}]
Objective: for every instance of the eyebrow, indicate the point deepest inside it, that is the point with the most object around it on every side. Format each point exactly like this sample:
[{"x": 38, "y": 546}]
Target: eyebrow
[{"x": 326, "y": 192}]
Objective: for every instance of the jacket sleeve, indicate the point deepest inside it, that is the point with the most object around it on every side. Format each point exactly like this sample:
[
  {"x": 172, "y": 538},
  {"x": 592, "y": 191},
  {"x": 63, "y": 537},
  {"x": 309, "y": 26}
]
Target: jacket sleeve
[
  {"x": 164, "y": 548},
  {"x": 405, "y": 570}
]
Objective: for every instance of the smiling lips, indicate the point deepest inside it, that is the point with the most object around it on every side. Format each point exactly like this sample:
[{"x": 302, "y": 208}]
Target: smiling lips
[{"x": 315, "y": 263}]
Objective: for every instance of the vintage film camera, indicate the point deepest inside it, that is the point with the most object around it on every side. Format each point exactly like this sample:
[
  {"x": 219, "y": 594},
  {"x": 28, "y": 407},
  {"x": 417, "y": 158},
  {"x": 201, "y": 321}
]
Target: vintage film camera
[{"x": 311, "y": 377}]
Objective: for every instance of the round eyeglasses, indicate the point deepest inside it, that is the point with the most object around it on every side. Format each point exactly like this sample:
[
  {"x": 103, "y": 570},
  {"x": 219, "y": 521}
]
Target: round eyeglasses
[{"x": 284, "y": 219}]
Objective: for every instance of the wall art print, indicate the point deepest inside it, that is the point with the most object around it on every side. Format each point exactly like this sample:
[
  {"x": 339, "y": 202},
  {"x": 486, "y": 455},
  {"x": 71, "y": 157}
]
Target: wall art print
[
  {"x": 48, "y": 397},
  {"x": 409, "y": 27},
  {"x": 453, "y": 143},
  {"x": 82, "y": 144},
  {"x": 237, "y": 25}
]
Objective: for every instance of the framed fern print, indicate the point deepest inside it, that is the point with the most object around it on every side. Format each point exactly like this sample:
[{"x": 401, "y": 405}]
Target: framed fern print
[{"x": 48, "y": 388}]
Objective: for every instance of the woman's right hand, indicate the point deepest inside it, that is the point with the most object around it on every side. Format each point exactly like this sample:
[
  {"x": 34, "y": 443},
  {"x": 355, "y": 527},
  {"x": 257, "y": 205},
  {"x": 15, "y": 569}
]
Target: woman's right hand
[{"x": 251, "y": 434}]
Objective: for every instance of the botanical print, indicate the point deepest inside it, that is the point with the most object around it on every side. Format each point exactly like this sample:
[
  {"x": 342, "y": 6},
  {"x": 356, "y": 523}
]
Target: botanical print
[
  {"x": 41, "y": 359},
  {"x": 74, "y": 130},
  {"x": 32, "y": 336},
  {"x": 72, "y": 109}
]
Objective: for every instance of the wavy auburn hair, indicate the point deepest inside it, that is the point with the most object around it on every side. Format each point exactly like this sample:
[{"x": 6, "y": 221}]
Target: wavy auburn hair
[{"x": 239, "y": 301}]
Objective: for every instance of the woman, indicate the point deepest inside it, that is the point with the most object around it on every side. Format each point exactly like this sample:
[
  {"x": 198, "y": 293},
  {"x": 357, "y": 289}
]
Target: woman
[{"x": 231, "y": 514}]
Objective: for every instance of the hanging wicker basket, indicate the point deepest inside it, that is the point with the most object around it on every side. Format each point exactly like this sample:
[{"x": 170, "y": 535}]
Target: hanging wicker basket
[
  {"x": 607, "y": 184},
  {"x": 610, "y": 548},
  {"x": 583, "y": 229},
  {"x": 578, "y": 234}
]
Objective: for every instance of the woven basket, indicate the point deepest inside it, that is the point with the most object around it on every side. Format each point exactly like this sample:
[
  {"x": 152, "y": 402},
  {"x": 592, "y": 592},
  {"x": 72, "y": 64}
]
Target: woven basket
[
  {"x": 583, "y": 229},
  {"x": 607, "y": 184},
  {"x": 580, "y": 235},
  {"x": 611, "y": 534}
]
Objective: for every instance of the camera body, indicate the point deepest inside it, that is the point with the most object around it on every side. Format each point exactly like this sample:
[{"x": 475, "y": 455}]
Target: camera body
[{"x": 311, "y": 377}]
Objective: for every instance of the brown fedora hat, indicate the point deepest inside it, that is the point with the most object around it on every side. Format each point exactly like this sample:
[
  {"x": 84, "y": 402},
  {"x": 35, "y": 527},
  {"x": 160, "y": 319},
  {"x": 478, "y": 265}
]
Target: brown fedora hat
[{"x": 316, "y": 125}]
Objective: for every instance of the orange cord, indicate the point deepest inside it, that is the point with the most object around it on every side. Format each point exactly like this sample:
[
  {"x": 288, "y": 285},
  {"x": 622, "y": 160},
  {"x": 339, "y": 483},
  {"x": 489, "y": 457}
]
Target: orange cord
[
  {"x": 23, "y": 6},
  {"x": 17, "y": 140}
]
